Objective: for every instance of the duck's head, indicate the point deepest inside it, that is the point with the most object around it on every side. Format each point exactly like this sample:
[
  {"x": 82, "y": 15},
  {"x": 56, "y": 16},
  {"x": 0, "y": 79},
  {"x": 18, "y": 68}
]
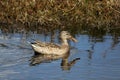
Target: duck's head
[{"x": 65, "y": 35}]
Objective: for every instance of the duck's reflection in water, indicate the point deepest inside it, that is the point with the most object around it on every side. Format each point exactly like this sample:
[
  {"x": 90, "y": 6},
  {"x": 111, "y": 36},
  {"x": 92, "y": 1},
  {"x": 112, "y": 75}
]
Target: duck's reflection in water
[{"x": 65, "y": 64}]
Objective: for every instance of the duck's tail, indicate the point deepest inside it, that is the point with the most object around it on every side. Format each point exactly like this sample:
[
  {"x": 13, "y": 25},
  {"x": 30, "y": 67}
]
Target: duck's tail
[{"x": 33, "y": 41}]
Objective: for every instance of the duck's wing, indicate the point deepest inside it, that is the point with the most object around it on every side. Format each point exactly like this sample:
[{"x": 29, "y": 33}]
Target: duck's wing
[{"x": 43, "y": 44}]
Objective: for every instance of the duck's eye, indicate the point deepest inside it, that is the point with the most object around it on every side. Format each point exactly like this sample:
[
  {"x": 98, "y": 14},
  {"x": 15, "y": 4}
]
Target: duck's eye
[{"x": 67, "y": 34}]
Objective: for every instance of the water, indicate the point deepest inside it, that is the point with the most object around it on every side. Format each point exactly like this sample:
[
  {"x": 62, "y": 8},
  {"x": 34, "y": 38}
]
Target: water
[{"x": 99, "y": 59}]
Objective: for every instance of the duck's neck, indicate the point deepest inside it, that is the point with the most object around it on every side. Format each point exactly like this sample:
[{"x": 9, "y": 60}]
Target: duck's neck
[{"x": 65, "y": 42}]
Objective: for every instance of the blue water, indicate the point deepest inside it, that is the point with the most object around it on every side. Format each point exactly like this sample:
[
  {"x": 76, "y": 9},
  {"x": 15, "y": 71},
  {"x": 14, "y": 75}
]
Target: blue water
[{"x": 99, "y": 59}]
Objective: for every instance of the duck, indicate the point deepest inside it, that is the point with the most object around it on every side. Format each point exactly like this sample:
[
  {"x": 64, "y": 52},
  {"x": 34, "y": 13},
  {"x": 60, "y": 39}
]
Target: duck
[{"x": 49, "y": 48}]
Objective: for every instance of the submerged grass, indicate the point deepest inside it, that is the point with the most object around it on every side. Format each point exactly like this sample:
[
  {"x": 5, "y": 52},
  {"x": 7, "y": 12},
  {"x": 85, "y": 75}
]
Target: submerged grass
[{"x": 64, "y": 14}]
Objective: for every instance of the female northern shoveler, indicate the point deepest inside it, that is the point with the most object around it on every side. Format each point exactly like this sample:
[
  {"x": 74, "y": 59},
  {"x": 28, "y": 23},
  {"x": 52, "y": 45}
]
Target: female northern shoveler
[{"x": 54, "y": 49}]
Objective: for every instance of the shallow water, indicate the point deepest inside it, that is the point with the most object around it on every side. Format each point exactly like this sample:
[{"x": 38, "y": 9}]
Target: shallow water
[{"x": 99, "y": 59}]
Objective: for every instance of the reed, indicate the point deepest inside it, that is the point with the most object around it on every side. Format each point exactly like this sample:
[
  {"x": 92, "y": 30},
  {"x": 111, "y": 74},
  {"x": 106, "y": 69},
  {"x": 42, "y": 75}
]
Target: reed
[{"x": 62, "y": 14}]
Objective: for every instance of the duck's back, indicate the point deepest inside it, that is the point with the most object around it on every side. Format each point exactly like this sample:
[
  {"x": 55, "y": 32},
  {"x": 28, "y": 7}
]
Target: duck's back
[{"x": 49, "y": 48}]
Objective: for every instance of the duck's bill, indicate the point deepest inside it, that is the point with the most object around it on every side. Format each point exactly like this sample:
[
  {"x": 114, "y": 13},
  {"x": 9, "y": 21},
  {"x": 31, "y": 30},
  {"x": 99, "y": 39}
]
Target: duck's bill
[{"x": 73, "y": 39}]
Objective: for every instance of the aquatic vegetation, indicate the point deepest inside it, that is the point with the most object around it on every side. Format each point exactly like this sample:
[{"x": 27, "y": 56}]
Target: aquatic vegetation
[
  {"x": 61, "y": 13},
  {"x": 92, "y": 17}
]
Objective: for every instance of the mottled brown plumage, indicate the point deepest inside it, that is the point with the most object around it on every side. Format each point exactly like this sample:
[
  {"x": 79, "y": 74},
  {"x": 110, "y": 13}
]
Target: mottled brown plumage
[{"x": 55, "y": 49}]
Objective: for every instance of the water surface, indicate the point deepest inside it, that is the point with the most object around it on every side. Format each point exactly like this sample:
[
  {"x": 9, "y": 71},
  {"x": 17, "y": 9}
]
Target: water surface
[{"x": 99, "y": 58}]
